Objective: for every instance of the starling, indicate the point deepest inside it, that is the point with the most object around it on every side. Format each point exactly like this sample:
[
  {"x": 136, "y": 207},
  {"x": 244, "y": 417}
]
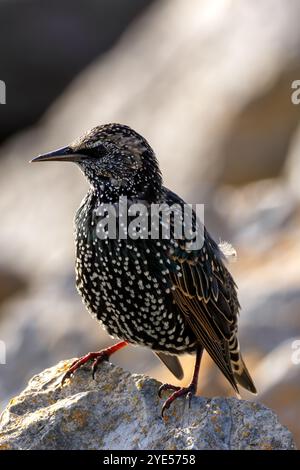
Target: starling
[{"x": 152, "y": 291}]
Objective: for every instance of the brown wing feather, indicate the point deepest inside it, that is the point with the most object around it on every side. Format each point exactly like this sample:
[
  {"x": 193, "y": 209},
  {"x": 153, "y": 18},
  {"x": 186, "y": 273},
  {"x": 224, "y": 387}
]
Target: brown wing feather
[{"x": 206, "y": 295}]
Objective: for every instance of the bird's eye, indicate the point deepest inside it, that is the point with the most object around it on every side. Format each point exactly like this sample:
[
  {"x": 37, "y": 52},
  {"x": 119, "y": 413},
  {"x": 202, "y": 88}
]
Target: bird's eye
[{"x": 97, "y": 151}]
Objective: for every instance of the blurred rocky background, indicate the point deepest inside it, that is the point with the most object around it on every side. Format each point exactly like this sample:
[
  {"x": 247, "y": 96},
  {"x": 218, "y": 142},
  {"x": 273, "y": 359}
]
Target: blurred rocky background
[{"x": 208, "y": 82}]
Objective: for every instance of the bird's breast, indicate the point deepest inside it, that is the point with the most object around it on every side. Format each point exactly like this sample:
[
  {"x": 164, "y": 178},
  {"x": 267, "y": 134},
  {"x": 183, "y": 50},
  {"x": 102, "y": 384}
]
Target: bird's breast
[{"x": 125, "y": 284}]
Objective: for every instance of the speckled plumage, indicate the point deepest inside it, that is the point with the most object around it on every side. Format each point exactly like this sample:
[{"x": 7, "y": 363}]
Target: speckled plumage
[
  {"x": 127, "y": 285},
  {"x": 153, "y": 292}
]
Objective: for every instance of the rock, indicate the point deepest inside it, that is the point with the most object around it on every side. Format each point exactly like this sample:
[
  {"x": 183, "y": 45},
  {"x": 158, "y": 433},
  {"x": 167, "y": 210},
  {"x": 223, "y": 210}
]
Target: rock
[{"x": 121, "y": 411}]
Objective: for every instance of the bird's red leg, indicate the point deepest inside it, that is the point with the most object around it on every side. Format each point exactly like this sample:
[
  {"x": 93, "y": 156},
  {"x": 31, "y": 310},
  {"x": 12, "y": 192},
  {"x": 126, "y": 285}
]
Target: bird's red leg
[
  {"x": 97, "y": 357},
  {"x": 181, "y": 391}
]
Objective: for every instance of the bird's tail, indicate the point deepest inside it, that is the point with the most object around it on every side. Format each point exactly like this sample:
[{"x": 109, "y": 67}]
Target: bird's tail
[
  {"x": 239, "y": 368},
  {"x": 242, "y": 375}
]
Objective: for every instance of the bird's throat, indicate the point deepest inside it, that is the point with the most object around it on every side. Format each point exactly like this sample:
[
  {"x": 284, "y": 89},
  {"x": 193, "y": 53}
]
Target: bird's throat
[{"x": 110, "y": 190}]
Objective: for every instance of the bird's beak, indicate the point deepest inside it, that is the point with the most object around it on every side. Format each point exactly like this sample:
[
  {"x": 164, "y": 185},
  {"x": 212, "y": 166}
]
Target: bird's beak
[{"x": 64, "y": 154}]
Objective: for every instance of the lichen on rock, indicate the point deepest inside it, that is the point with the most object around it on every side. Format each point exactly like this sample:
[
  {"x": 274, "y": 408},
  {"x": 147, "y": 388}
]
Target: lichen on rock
[{"x": 118, "y": 410}]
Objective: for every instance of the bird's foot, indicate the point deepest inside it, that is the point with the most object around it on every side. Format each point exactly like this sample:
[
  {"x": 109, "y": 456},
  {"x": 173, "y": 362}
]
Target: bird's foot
[
  {"x": 167, "y": 387},
  {"x": 97, "y": 357},
  {"x": 177, "y": 392}
]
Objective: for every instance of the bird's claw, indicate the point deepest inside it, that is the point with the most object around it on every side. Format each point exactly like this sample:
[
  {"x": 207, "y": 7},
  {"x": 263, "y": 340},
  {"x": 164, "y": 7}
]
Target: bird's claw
[
  {"x": 189, "y": 398},
  {"x": 178, "y": 392},
  {"x": 98, "y": 357},
  {"x": 167, "y": 387},
  {"x": 69, "y": 372},
  {"x": 103, "y": 356}
]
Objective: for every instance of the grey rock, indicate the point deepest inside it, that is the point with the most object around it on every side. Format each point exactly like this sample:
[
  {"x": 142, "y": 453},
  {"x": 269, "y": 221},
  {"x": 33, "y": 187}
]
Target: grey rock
[{"x": 121, "y": 411}]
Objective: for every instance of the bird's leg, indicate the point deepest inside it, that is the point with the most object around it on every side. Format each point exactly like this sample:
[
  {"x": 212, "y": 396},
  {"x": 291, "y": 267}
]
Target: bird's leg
[
  {"x": 181, "y": 391},
  {"x": 97, "y": 358}
]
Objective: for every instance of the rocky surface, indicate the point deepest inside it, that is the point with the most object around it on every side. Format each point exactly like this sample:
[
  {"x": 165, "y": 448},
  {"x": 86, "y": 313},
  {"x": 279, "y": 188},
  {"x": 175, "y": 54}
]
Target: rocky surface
[{"x": 121, "y": 411}]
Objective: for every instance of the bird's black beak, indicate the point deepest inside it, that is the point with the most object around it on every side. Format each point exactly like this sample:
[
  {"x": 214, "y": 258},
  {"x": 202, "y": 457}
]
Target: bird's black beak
[{"x": 64, "y": 154}]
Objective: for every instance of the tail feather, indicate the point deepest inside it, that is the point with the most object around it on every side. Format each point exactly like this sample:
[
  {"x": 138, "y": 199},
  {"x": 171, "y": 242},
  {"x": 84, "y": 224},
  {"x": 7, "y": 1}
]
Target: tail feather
[
  {"x": 238, "y": 366},
  {"x": 243, "y": 377}
]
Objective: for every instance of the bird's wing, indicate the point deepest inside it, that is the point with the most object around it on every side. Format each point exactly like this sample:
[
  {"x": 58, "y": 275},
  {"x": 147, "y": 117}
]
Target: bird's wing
[
  {"x": 172, "y": 363},
  {"x": 205, "y": 292}
]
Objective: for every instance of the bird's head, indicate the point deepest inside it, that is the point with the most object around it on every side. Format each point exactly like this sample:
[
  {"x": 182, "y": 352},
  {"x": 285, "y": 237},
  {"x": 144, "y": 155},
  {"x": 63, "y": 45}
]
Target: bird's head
[{"x": 111, "y": 154}]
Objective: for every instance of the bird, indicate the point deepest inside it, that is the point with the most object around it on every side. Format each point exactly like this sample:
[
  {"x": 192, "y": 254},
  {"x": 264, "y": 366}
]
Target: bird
[{"x": 149, "y": 286}]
